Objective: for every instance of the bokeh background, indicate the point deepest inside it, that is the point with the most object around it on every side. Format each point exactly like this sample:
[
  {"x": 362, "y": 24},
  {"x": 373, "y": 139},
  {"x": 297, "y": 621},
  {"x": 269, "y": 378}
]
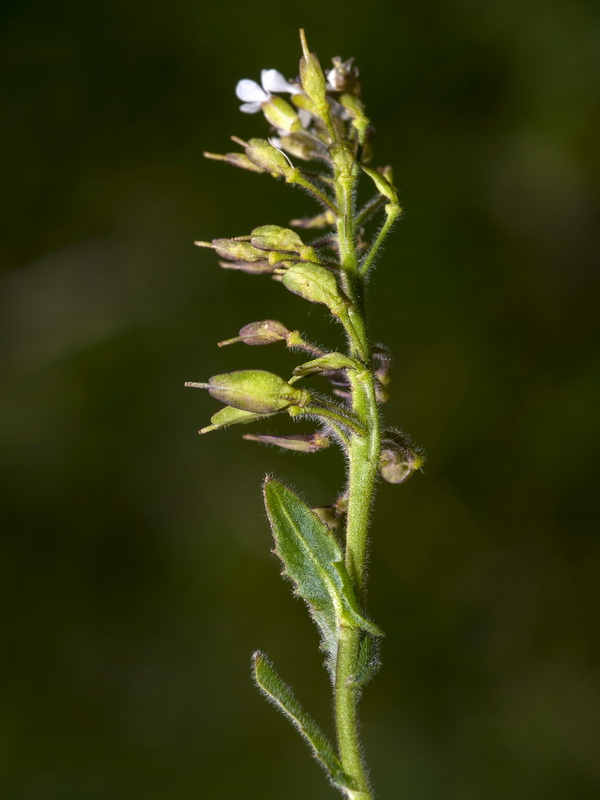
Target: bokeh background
[{"x": 136, "y": 572}]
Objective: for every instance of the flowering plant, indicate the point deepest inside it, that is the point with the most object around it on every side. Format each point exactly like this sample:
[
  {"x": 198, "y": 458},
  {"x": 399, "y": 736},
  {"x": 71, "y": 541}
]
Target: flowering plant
[{"x": 322, "y": 549}]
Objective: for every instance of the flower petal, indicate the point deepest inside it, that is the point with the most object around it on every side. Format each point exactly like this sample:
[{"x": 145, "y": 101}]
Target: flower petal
[
  {"x": 273, "y": 81},
  {"x": 250, "y": 108},
  {"x": 250, "y": 92},
  {"x": 305, "y": 117}
]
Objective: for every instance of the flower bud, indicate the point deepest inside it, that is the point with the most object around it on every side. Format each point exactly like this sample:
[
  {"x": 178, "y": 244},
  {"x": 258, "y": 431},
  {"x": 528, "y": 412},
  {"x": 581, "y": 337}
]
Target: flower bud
[
  {"x": 281, "y": 115},
  {"x": 265, "y": 155},
  {"x": 256, "y": 333},
  {"x": 344, "y": 76},
  {"x": 309, "y": 443},
  {"x": 399, "y": 459},
  {"x": 254, "y": 390},
  {"x": 382, "y": 361},
  {"x": 315, "y": 284},
  {"x": 312, "y": 77}
]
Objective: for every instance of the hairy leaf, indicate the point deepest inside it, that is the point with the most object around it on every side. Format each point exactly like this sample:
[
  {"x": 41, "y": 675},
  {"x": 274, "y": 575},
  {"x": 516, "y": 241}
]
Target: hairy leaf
[
  {"x": 282, "y": 696},
  {"x": 313, "y": 559}
]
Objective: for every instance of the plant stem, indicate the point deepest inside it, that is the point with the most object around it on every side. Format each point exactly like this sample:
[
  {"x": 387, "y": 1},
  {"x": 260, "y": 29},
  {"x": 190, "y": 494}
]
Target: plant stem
[{"x": 363, "y": 455}]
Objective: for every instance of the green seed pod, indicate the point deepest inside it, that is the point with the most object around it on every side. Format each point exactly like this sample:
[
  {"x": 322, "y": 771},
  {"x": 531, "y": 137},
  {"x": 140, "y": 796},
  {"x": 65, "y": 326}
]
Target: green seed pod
[
  {"x": 250, "y": 267},
  {"x": 257, "y": 333},
  {"x": 228, "y": 416},
  {"x": 265, "y": 155},
  {"x": 327, "y": 363},
  {"x": 399, "y": 460},
  {"x": 315, "y": 284},
  {"x": 281, "y": 241},
  {"x": 360, "y": 122},
  {"x": 312, "y": 77},
  {"x": 281, "y": 115},
  {"x": 274, "y": 237},
  {"x": 383, "y": 185},
  {"x": 299, "y": 145},
  {"x": 323, "y": 220},
  {"x": 240, "y": 160},
  {"x": 234, "y": 249},
  {"x": 254, "y": 390}
]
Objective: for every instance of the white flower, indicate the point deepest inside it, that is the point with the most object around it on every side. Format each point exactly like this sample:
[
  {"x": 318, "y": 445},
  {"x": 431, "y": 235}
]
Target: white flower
[{"x": 254, "y": 95}]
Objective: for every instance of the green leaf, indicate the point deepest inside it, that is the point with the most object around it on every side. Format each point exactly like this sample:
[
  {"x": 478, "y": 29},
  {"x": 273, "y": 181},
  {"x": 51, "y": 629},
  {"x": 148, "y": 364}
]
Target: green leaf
[
  {"x": 283, "y": 697},
  {"x": 313, "y": 559}
]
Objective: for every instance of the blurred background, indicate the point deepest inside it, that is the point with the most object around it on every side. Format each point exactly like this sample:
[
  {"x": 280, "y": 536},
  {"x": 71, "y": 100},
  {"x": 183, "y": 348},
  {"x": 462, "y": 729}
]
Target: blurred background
[{"x": 136, "y": 572}]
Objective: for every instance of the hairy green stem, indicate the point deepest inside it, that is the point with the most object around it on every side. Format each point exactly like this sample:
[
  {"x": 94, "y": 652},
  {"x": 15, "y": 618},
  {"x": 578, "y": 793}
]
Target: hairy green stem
[{"x": 363, "y": 455}]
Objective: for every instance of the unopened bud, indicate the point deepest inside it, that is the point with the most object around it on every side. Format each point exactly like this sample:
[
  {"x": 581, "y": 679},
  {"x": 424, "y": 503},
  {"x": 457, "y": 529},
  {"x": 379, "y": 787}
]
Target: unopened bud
[
  {"x": 309, "y": 443},
  {"x": 312, "y": 77},
  {"x": 315, "y": 284},
  {"x": 344, "y": 76},
  {"x": 399, "y": 459},
  {"x": 254, "y": 390},
  {"x": 281, "y": 115},
  {"x": 265, "y": 155},
  {"x": 382, "y": 361},
  {"x": 257, "y": 333}
]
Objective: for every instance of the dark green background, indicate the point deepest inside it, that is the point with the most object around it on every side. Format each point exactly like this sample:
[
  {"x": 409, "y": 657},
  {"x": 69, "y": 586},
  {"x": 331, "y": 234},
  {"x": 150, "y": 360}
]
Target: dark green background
[{"x": 136, "y": 573}]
